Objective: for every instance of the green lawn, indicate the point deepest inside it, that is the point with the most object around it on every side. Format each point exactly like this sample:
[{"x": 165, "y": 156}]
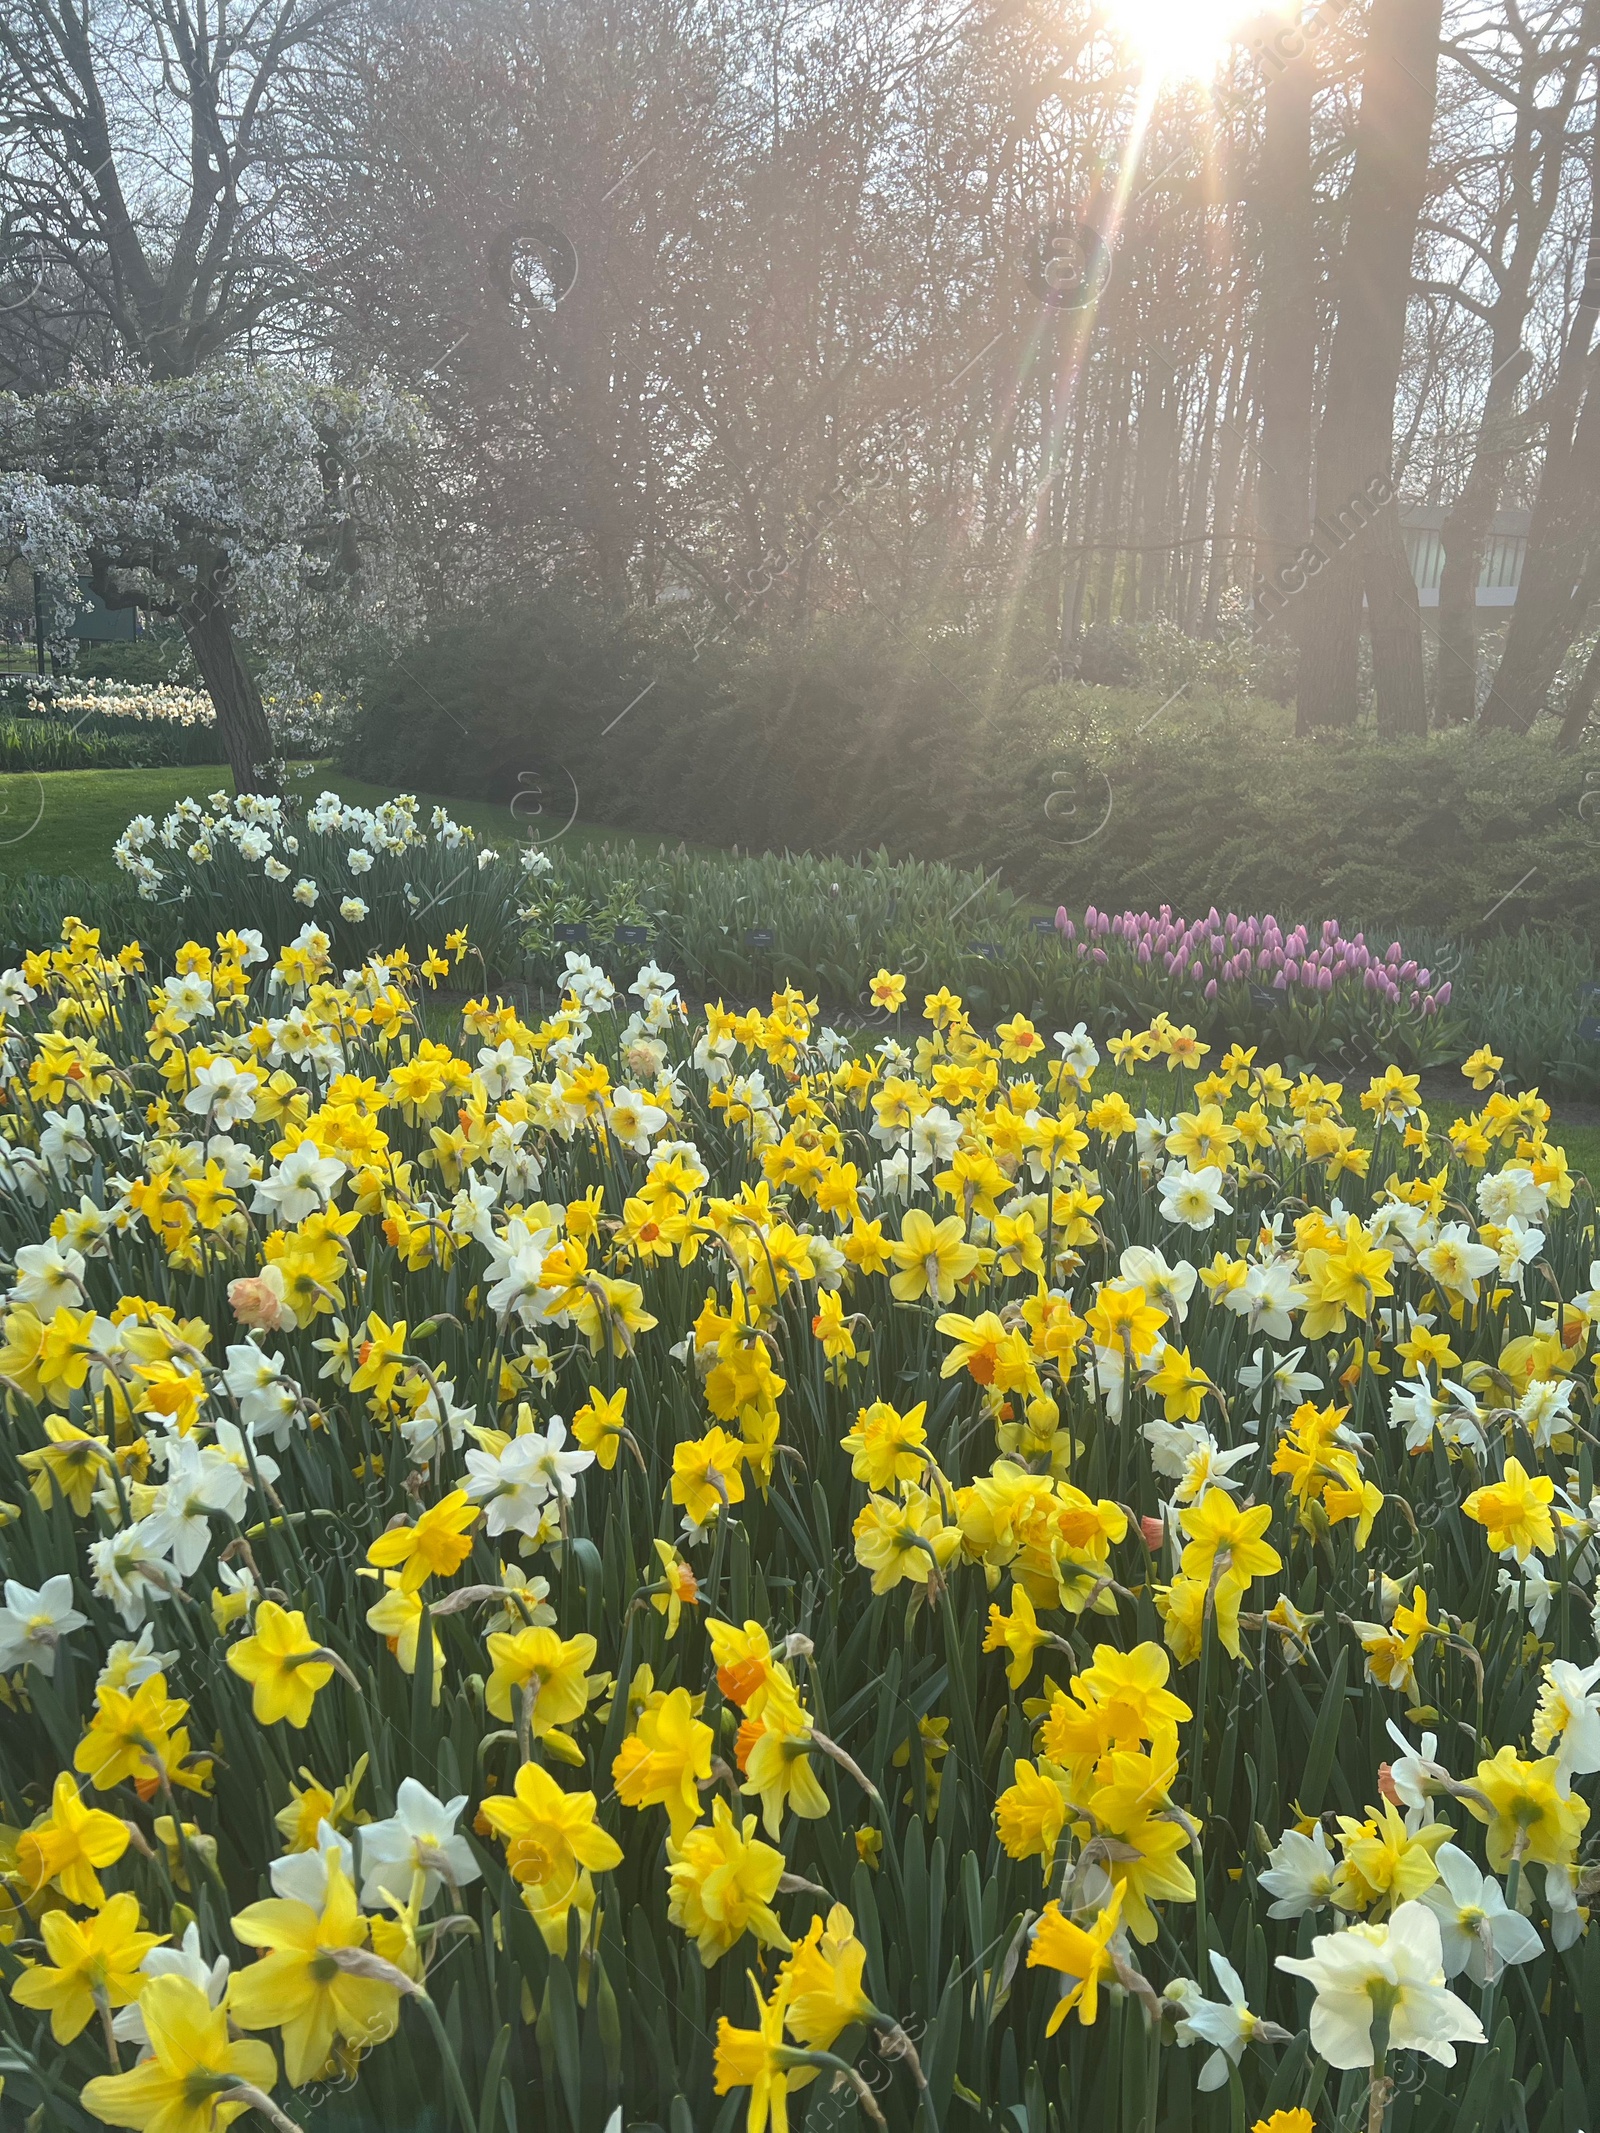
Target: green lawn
[{"x": 66, "y": 821}]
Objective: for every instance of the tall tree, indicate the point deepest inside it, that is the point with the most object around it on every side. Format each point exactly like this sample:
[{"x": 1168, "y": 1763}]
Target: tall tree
[
  {"x": 1287, "y": 316},
  {"x": 143, "y": 137},
  {"x": 232, "y": 492},
  {"x": 1355, "y": 445},
  {"x": 1561, "y": 571},
  {"x": 1495, "y": 283}
]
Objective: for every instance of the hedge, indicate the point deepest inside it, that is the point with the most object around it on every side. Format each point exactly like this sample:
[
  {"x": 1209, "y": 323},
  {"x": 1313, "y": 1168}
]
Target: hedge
[{"x": 858, "y": 738}]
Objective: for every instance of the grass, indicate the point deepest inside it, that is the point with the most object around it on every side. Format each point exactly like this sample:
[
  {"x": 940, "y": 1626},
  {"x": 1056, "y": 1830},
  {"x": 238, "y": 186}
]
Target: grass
[{"x": 66, "y": 821}]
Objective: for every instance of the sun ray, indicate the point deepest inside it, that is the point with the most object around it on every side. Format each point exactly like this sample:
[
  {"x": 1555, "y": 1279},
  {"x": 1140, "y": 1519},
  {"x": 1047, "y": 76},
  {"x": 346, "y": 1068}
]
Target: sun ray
[{"x": 1177, "y": 40}]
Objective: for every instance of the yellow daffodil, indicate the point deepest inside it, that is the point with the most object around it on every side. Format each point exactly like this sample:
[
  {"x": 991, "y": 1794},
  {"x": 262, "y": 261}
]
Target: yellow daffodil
[
  {"x": 92, "y": 1961},
  {"x": 300, "y": 1988},
  {"x": 283, "y": 1663},
  {"x": 190, "y": 2081}
]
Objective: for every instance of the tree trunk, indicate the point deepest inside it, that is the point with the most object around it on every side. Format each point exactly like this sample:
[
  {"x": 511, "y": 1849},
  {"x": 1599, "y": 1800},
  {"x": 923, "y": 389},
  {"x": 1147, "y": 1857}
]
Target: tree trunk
[
  {"x": 241, "y": 721},
  {"x": 1466, "y": 531},
  {"x": 1394, "y": 619},
  {"x": 1356, "y": 447},
  {"x": 1560, "y": 582},
  {"x": 1556, "y": 588},
  {"x": 1579, "y": 707},
  {"x": 1455, "y": 692},
  {"x": 1559, "y": 573},
  {"x": 1288, "y": 319}
]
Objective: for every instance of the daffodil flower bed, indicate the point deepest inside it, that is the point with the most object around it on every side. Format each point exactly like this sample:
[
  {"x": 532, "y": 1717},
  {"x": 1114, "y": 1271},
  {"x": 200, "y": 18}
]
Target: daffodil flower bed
[
  {"x": 163, "y": 702},
  {"x": 621, "y": 1570},
  {"x": 50, "y": 725}
]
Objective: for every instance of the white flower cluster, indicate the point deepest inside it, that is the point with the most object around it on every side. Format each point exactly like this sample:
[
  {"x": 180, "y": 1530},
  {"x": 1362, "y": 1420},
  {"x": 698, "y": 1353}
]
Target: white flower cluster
[
  {"x": 253, "y": 823},
  {"x": 353, "y": 841},
  {"x": 161, "y": 702}
]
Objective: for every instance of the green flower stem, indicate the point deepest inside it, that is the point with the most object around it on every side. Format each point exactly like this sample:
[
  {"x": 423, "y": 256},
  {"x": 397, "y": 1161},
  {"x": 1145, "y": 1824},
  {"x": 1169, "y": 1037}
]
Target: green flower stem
[{"x": 458, "y": 2087}]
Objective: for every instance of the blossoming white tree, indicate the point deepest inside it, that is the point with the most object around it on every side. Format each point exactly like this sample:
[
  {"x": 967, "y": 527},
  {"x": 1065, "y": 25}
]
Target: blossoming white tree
[{"x": 234, "y": 498}]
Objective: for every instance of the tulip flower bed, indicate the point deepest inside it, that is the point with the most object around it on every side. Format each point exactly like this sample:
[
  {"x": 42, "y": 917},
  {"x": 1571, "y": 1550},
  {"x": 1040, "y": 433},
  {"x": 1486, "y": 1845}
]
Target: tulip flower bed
[{"x": 629, "y": 1571}]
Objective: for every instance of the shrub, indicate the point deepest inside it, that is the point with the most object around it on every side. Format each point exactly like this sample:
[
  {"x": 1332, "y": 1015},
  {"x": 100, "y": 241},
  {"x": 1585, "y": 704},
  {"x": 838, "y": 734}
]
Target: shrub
[{"x": 856, "y": 738}]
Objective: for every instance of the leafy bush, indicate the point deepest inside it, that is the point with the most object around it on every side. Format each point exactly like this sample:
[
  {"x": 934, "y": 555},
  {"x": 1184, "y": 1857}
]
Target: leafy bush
[
  {"x": 858, "y": 738},
  {"x": 160, "y": 655}
]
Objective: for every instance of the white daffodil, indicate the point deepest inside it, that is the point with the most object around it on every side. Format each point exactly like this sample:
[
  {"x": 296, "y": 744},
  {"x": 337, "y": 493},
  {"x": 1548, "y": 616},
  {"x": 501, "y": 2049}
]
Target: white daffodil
[
  {"x": 1398, "y": 1965},
  {"x": 1514, "y": 1191},
  {"x": 1566, "y": 1720},
  {"x": 1193, "y": 1197},
  {"x": 201, "y": 1481},
  {"x": 189, "y": 998},
  {"x": 1278, "y": 1379},
  {"x": 130, "y": 1569},
  {"x": 302, "y": 1877},
  {"x": 87, "y": 1228},
  {"x": 1545, "y": 1409},
  {"x": 65, "y": 1143},
  {"x": 1456, "y": 1264},
  {"x": 1079, "y": 1053},
  {"x": 1477, "y": 1932},
  {"x": 1300, "y": 1872},
  {"x": 418, "y": 1838},
  {"x": 1170, "y": 1287},
  {"x": 515, "y": 1274},
  {"x": 32, "y": 1623},
  {"x": 502, "y": 1069},
  {"x": 15, "y": 991},
  {"x": 1150, "y": 1138},
  {"x": 1187, "y": 1453},
  {"x": 1530, "y": 1592},
  {"x": 304, "y": 1181},
  {"x": 1265, "y": 1298},
  {"x": 436, "y": 1421},
  {"x": 49, "y": 1278},
  {"x": 132, "y": 1660},
  {"x": 186, "y": 1961},
  {"x": 1228, "y": 2024},
  {"x": 268, "y": 1401},
  {"x": 1417, "y": 1775},
  {"x": 225, "y": 1092},
  {"x": 633, "y": 1119},
  {"x": 935, "y": 1135}
]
